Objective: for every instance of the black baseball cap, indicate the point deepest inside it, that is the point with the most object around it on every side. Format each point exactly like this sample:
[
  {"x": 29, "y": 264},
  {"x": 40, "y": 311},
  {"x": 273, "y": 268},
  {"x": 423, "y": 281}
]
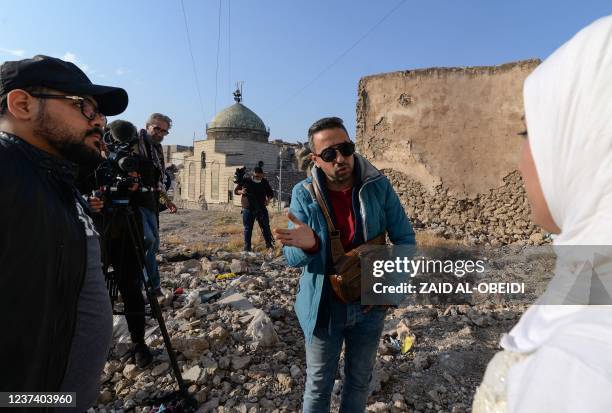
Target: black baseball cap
[{"x": 64, "y": 76}]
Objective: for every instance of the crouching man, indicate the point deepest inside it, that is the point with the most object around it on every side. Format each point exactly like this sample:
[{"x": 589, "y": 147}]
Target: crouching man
[{"x": 361, "y": 204}]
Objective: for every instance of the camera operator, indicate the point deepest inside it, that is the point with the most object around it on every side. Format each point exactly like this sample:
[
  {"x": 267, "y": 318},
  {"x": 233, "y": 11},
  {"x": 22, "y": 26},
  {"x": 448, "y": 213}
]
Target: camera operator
[
  {"x": 55, "y": 315},
  {"x": 117, "y": 246},
  {"x": 256, "y": 195},
  {"x": 150, "y": 139}
]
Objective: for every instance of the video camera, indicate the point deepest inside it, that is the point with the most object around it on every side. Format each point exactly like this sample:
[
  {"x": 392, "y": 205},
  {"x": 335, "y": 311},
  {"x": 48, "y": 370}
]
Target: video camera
[
  {"x": 122, "y": 170},
  {"x": 123, "y": 256},
  {"x": 239, "y": 176}
]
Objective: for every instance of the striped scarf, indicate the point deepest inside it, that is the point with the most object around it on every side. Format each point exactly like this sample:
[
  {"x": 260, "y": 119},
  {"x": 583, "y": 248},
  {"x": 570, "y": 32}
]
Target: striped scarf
[{"x": 154, "y": 152}]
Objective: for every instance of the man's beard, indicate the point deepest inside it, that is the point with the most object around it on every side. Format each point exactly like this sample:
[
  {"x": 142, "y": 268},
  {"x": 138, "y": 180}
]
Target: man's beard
[
  {"x": 338, "y": 178},
  {"x": 67, "y": 142}
]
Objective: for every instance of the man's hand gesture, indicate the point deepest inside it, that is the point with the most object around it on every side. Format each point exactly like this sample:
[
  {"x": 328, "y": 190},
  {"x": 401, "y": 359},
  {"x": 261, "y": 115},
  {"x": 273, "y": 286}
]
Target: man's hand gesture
[
  {"x": 95, "y": 204},
  {"x": 171, "y": 207},
  {"x": 300, "y": 236}
]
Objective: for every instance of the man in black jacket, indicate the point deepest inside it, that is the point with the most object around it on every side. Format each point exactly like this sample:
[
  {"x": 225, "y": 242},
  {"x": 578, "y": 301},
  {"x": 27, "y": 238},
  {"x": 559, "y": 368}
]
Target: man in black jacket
[
  {"x": 256, "y": 194},
  {"x": 55, "y": 313},
  {"x": 118, "y": 249}
]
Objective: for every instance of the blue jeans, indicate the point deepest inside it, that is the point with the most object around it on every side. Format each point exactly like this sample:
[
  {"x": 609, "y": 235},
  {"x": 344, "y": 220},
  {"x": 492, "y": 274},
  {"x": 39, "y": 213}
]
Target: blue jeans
[
  {"x": 360, "y": 334},
  {"x": 248, "y": 220},
  {"x": 151, "y": 244}
]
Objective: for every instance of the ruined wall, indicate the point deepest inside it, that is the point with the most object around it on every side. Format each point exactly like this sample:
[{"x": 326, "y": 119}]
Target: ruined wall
[{"x": 448, "y": 139}]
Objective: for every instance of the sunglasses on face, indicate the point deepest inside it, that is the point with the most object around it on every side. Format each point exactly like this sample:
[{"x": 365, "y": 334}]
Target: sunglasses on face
[
  {"x": 329, "y": 154},
  {"x": 88, "y": 108}
]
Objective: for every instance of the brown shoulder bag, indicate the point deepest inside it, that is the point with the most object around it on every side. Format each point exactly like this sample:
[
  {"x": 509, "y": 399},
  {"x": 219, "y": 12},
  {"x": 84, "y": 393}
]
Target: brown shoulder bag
[{"x": 346, "y": 281}]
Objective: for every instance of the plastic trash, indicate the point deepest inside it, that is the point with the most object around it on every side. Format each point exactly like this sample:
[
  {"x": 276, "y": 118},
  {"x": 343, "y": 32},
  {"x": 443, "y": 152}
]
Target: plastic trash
[
  {"x": 193, "y": 299},
  {"x": 407, "y": 344},
  {"x": 206, "y": 296},
  {"x": 226, "y": 276},
  {"x": 392, "y": 342}
]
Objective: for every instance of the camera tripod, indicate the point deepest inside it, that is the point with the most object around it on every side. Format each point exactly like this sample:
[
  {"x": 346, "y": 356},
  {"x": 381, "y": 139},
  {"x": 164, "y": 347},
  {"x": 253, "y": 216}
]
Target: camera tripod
[{"x": 120, "y": 213}]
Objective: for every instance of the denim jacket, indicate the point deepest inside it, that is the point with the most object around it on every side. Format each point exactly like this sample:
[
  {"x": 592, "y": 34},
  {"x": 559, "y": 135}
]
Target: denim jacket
[{"x": 379, "y": 210}]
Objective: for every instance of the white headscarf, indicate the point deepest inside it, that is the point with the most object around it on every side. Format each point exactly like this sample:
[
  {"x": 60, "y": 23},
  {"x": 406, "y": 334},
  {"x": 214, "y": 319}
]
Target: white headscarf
[{"x": 568, "y": 107}]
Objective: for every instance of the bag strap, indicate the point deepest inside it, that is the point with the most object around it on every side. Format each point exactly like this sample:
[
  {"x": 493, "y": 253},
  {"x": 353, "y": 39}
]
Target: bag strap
[{"x": 337, "y": 250}]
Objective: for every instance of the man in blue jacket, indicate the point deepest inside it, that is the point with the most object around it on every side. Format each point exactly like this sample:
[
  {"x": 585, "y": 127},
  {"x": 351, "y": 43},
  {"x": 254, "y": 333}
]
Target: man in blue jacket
[{"x": 363, "y": 205}]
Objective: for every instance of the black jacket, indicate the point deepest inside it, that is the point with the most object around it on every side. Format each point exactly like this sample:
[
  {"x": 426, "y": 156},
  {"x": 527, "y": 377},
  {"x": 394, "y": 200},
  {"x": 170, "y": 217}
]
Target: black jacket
[
  {"x": 257, "y": 194},
  {"x": 42, "y": 266}
]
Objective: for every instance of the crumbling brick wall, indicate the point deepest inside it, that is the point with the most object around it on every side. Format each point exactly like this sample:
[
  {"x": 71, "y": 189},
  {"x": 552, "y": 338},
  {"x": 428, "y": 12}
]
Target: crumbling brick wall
[{"x": 448, "y": 139}]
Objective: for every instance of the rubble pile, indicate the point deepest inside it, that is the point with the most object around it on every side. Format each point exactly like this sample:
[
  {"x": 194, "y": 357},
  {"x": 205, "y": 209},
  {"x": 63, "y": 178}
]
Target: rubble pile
[
  {"x": 498, "y": 218},
  {"x": 240, "y": 348},
  {"x": 227, "y": 343}
]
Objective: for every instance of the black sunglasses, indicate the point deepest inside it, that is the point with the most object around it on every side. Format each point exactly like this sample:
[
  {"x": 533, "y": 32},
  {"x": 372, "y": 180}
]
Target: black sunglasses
[{"x": 329, "y": 154}]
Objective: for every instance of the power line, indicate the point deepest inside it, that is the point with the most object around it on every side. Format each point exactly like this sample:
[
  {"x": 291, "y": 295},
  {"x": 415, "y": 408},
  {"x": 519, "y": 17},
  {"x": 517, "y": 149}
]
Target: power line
[
  {"x": 195, "y": 73},
  {"x": 218, "y": 49},
  {"x": 337, "y": 59},
  {"x": 229, "y": 45}
]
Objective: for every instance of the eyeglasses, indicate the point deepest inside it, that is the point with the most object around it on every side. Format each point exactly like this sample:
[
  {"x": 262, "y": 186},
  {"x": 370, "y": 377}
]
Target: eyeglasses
[
  {"x": 329, "y": 154},
  {"x": 160, "y": 130},
  {"x": 88, "y": 108}
]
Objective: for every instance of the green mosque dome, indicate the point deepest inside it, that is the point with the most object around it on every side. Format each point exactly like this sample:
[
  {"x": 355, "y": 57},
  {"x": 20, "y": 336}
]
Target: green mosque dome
[{"x": 237, "y": 116}]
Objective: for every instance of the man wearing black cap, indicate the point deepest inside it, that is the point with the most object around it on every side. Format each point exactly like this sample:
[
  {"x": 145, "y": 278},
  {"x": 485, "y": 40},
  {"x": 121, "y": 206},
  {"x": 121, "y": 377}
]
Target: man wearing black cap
[{"x": 55, "y": 313}]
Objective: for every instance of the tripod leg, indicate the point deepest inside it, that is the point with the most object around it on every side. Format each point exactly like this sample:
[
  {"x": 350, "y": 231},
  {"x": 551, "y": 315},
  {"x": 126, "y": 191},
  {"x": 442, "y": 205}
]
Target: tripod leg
[
  {"x": 105, "y": 245},
  {"x": 155, "y": 308}
]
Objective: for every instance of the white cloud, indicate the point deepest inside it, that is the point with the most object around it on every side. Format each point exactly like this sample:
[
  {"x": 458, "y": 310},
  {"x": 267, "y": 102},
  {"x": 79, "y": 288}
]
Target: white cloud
[
  {"x": 69, "y": 57},
  {"x": 72, "y": 57},
  {"x": 120, "y": 71},
  {"x": 12, "y": 52}
]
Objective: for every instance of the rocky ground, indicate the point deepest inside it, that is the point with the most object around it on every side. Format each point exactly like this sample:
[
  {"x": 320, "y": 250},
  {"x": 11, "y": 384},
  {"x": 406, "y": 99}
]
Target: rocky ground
[{"x": 243, "y": 350}]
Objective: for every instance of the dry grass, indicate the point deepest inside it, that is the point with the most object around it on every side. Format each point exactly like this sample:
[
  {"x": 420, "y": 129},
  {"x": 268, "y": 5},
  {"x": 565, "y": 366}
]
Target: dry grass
[
  {"x": 226, "y": 229},
  {"x": 233, "y": 228},
  {"x": 278, "y": 220},
  {"x": 429, "y": 239},
  {"x": 230, "y": 228},
  {"x": 173, "y": 240},
  {"x": 235, "y": 244},
  {"x": 200, "y": 247},
  {"x": 231, "y": 218}
]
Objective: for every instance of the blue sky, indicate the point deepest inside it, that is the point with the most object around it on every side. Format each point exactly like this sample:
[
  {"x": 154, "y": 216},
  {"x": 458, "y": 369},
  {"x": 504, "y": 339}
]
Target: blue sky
[{"x": 277, "y": 48}]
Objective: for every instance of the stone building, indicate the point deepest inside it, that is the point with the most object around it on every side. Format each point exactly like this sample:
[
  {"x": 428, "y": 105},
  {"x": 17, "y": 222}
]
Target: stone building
[
  {"x": 175, "y": 154},
  {"x": 235, "y": 138},
  {"x": 448, "y": 138}
]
